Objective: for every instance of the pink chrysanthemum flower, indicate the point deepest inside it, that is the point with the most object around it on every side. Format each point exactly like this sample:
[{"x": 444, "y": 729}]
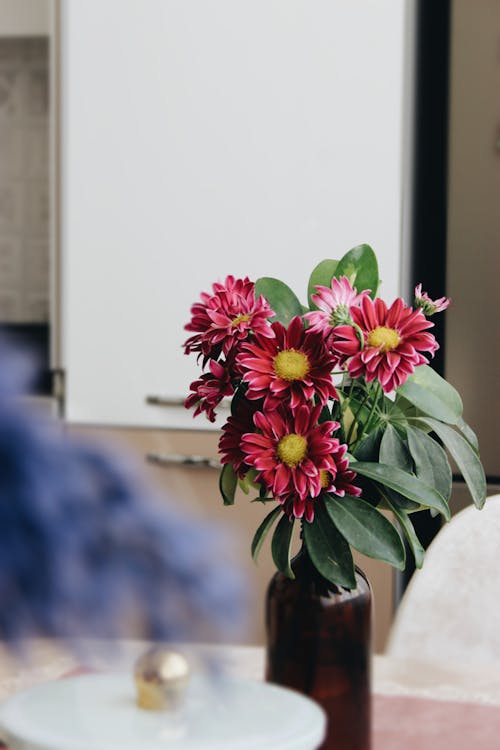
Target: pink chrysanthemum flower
[
  {"x": 336, "y": 482},
  {"x": 209, "y": 390},
  {"x": 232, "y": 432},
  {"x": 394, "y": 340},
  {"x": 290, "y": 365},
  {"x": 340, "y": 483},
  {"x": 429, "y": 306},
  {"x": 334, "y": 303},
  {"x": 291, "y": 450},
  {"x": 223, "y": 319}
]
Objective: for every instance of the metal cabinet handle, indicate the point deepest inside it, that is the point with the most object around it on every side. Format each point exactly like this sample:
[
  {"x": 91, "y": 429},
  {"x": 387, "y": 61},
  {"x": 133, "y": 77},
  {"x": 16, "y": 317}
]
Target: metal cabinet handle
[
  {"x": 179, "y": 459},
  {"x": 155, "y": 400},
  {"x": 164, "y": 401}
]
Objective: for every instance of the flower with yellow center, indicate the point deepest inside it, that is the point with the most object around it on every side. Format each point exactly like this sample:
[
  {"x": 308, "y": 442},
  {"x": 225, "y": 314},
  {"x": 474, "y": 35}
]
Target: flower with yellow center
[
  {"x": 291, "y": 365},
  {"x": 292, "y": 449},
  {"x": 240, "y": 319},
  {"x": 383, "y": 338},
  {"x": 325, "y": 477},
  {"x": 289, "y": 450},
  {"x": 396, "y": 340}
]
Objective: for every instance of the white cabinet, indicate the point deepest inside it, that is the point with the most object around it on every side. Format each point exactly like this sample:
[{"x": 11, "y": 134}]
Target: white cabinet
[{"x": 252, "y": 137}]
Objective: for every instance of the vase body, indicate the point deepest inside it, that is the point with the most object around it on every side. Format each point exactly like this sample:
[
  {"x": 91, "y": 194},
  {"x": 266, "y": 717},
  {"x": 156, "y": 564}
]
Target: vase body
[{"x": 319, "y": 643}]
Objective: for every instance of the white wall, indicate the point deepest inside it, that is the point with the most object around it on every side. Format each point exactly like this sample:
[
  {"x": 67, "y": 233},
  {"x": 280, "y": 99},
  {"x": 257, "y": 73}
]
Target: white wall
[{"x": 204, "y": 138}]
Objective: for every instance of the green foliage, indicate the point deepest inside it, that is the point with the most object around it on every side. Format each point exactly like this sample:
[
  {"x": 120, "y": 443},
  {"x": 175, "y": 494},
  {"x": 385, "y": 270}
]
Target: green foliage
[
  {"x": 431, "y": 464},
  {"x": 394, "y": 452},
  {"x": 281, "y": 298},
  {"x": 407, "y": 527},
  {"x": 321, "y": 276},
  {"x": 432, "y": 395},
  {"x": 361, "y": 268},
  {"x": 228, "y": 482},
  {"x": 248, "y": 482},
  {"x": 366, "y": 529},
  {"x": 263, "y": 530},
  {"x": 464, "y": 455},
  {"x": 468, "y": 434},
  {"x": 405, "y": 484},
  {"x": 329, "y": 551},
  {"x": 281, "y": 545}
]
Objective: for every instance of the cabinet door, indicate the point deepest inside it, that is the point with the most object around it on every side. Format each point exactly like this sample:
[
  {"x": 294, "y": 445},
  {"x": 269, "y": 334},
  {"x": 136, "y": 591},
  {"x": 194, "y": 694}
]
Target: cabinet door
[{"x": 251, "y": 137}]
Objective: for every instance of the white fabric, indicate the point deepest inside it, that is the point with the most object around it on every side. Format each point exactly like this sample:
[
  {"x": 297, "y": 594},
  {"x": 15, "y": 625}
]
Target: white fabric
[{"x": 451, "y": 609}]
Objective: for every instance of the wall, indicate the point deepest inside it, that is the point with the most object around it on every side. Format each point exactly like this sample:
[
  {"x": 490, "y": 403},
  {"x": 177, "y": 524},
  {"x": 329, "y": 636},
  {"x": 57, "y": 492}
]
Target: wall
[{"x": 473, "y": 257}]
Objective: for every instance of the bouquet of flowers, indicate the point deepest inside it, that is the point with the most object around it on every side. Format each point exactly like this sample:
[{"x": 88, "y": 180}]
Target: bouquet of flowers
[{"x": 335, "y": 412}]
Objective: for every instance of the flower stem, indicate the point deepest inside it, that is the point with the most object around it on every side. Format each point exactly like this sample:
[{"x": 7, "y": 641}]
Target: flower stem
[
  {"x": 375, "y": 392},
  {"x": 355, "y": 418}
]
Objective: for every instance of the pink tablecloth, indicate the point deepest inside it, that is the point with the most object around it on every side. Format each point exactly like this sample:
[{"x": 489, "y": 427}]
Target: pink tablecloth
[{"x": 407, "y": 723}]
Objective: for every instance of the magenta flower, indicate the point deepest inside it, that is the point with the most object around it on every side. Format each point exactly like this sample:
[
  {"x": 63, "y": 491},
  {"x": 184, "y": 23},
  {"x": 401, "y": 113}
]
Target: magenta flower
[
  {"x": 291, "y": 450},
  {"x": 429, "y": 307},
  {"x": 394, "y": 340},
  {"x": 227, "y": 317},
  {"x": 291, "y": 365},
  {"x": 334, "y": 303},
  {"x": 209, "y": 390},
  {"x": 232, "y": 432},
  {"x": 336, "y": 481},
  {"x": 341, "y": 482}
]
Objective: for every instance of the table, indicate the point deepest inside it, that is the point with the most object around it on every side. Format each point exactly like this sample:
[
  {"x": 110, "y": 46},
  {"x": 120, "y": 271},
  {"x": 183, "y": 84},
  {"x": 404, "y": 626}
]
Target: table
[{"x": 416, "y": 705}]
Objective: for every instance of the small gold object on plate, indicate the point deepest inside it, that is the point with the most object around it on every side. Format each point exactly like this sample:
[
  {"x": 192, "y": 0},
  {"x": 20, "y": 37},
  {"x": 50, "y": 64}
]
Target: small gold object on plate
[{"x": 161, "y": 676}]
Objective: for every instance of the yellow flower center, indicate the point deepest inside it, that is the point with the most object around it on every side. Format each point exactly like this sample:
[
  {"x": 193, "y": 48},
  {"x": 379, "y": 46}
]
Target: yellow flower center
[
  {"x": 240, "y": 319},
  {"x": 384, "y": 338},
  {"x": 292, "y": 449},
  {"x": 291, "y": 365},
  {"x": 325, "y": 478}
]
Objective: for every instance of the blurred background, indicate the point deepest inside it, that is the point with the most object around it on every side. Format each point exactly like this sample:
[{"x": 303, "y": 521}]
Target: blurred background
[{"x": 150, "y": 147}]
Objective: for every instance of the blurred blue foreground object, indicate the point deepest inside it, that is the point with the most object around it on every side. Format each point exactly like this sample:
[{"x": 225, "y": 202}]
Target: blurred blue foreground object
[{"x": 86, "y": 550}]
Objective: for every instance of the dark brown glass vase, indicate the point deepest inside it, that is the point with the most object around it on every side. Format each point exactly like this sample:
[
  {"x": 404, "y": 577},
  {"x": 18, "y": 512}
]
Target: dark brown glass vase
[{"x": 319, "y": 643}]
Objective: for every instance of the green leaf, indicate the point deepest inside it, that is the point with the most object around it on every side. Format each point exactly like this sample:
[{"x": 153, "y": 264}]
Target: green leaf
[
  {"x": 321, "y": 276},
  {"x": 430, "y": 393},
  {"x": 368, "y": 449},
  {"x": 361, "y": 268},
  {"x": 468, "y": 434},
  {"x": 410, "y": 533},
  {"x": 465, "y": 457},
  {"x": 248, "y": 482},
  {"x": 227, "y": 484},
  {"x": 406, "y": 484},
  {"x": 328, "y": 550},
  {"x": 431, "y": 463},
  {"x": 281, "y": 298},
  {"x": 281, "y": 544},
  {"x": 263, "y": 531},
  {"x": 394, "y": 451},
  {"x": 366, "y": 529},
  {"x": 351, "y": 407}
]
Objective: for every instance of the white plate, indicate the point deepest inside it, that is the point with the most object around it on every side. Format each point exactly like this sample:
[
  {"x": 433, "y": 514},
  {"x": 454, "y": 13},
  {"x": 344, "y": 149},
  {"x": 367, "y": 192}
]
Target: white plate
[{"x": 98, "y": 712}]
